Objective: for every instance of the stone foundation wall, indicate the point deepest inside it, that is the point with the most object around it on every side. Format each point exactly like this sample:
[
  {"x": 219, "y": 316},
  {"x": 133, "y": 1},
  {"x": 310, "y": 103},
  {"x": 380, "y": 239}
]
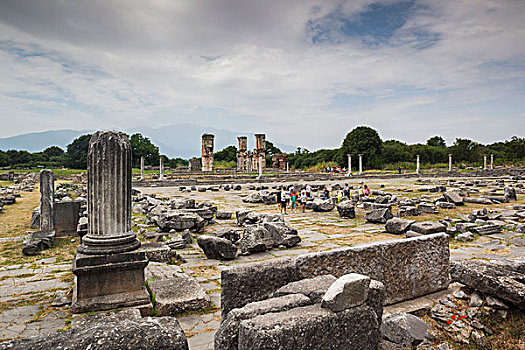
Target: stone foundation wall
[{"x": 407, "y": 267}]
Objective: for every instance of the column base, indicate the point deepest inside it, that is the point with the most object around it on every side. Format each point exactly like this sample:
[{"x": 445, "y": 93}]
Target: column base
[{"x": 112, "y": 281}]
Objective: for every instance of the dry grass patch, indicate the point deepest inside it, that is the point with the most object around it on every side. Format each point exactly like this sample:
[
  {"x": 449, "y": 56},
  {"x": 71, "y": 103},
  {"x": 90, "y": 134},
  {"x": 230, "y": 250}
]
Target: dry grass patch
[
  {"x": 16, "y": 218},
  {"x": 354, "y": 240},
  {"x": 63, "y": 249},
  {"x": 205, "y": 271}
]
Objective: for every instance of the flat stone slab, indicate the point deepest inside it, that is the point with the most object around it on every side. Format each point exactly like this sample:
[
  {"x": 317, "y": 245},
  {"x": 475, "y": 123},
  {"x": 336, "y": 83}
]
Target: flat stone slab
[
  {"x": 176, "y": 293},
  {"x": 313, "y": 288}
]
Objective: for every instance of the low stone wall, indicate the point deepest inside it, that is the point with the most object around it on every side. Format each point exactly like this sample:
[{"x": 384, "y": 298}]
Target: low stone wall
[{"x": 407, "y": 267}]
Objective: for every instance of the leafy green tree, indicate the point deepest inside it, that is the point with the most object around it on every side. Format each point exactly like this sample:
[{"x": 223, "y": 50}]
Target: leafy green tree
[
  {"x": 19, "y": 157},
  {"x": 142, "y": 147},
  {"x": 395, "y": 151},
  {"x": 53, "y": 151},
  {"x": 228, "y": 154},
  {"x": 175, "y": 162},
  {"x": 76, "y": 154},
  {"x": 466, "y": 150},
  {"x": 436, "y": 141},
  {"x": 4, "y": 159},
  {"x": 362, "y": 140}
]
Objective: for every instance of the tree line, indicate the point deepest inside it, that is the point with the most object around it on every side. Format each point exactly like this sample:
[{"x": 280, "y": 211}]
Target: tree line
[
  {"x": 75, "y": 155},
  {"x": 363, "y": 140}
]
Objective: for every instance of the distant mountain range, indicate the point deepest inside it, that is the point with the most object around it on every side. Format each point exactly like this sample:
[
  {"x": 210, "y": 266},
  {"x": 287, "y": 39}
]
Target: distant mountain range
[{"x": 180, "y": 140}]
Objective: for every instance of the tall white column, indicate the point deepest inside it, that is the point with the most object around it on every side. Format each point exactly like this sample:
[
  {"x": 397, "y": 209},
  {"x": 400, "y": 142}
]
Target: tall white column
[
  {"x": 161, "y": 168},
  {"x": 142, "y": 168},
  {"x": 492, "y": 161},
  {"x": 450, "y": 162},
  {"x": 287, "y": 167},
  {"x": 360, "y": 164},
  {"x": 417, "y": 164},
  {"x": 260, "y": 166},
  {"x": 47, "y": 201},
  {"x": 484, "y": 162},
  {"x": 349, "y": 164}
]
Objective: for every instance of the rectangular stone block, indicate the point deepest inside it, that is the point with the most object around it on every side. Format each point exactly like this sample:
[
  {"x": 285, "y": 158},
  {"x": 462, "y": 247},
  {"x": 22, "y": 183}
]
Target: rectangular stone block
[
  {"x": 246, "y": 283},
  {"x": 407, "y": 267},
  {"x": 312, "y": 327},
  {"x": 66, "y": 217}
]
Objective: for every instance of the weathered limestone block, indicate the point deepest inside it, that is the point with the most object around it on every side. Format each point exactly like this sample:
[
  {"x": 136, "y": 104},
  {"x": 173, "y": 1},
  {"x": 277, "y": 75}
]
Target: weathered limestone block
[
  {"x": 379, "y": 216},
  {"x": 223, "y": 215},
  {"x": 312, "y": 328},
  {"x": 35, "y": 218},
  {"x": 314, "y": 288},
  {"x": 217, "y": 247},
  {"x": 453, "y": 197},
  {"x": 228, "y": 233},
  {"x": 503, "y": 279},
  {"x": 405, "y": 330},
  {"x": 346, "y": 209},
  {"x": 226, "y": 335},
  {"x": 180, "y": 220},
  {"x": 242, "y": 284},
  {"x": 256, "y": 238},
  {"x": 427, "y": 227},
  {"x": 163, "y": 333},
  {"x": 283, "y": 234},
  {"x": 156, "y": 251},
  {"x": 407, "y": 267},
  {"x": 398, "y": 226},
  {"x": 346, "y": 292},
  {"x": 323, "y": 205},
  {"x": 176, "y": 293}
]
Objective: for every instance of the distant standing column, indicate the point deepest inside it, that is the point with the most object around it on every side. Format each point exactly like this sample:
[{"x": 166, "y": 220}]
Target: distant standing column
[
  {"x": 260, "y": 166},
  {"x": 360, "y": 164},
  {"x": 349, "y": 164},
  {"x": 47, "y": 201},
  {"x": 142, "y": 168},
  {"x": 484, "y": 162},
  {"x": 417, "y": 164},
  {"x": 207, "y": 152},
  {"x": 450, "y": 162},
  {"x": 287, "y": 167},
  {"x": 492, "y": 161},
  {"x": 161, "y": 168}
]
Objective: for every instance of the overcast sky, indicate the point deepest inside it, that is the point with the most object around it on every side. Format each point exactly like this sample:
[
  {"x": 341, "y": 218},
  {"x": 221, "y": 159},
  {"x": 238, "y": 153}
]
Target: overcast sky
[{"x": 305, "y": 72}]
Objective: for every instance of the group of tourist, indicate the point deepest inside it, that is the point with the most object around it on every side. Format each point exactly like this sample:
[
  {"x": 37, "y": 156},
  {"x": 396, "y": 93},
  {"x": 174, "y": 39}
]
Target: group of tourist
[
  {"x": 290, "y": 197},
  {"x": 335, "y": 170}
]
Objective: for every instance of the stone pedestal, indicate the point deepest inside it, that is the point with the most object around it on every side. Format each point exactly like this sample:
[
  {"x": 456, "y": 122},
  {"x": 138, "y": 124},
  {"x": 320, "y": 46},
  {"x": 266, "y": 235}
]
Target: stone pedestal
[{"x": 108, "y": 265}]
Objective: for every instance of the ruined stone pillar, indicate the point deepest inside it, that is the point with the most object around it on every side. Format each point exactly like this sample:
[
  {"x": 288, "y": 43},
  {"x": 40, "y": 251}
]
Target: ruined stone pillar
[
  {"x": 161, "y": 168},
  {"x": 484, "y": 162},
  {"x": 241, "y": 153},
  {"x": 108, "y": 265},
  {"x": 260, "y": 150},
  {"x": 287, "y": 167},
  {"x": 142, "y": 178},
  {"x": 492, "y": 161},
  {"x": 450, "y": 162},
  {"x": 207, "y": 152},
  {"x": 417, "y": 164},
  {"x": 47, "y": 201},
  {"x": 349, "y": 164},
  {"x": 360, "y": 164},
  {"x": 260, "y": 167}
]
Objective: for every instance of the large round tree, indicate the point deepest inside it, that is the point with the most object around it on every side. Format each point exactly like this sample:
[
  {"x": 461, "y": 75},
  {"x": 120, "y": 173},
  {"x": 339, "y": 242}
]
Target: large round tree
[{"x": 363, "y": 140}]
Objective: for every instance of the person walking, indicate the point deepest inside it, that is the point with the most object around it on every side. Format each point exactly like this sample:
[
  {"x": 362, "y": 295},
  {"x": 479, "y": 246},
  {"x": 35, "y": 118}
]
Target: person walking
[
  {"x": 293, "y": 197},
  {"x": 278, "y": 196},
  {"x": 304, "y": 199},
  {"x": 309, "y": 191},
  {"x": 284, "y": 200},
  {"x": 367, "y": 190}
]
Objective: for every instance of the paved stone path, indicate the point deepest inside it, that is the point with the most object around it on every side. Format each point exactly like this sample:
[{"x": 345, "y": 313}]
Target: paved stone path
[{"x": 26, "y": 290}]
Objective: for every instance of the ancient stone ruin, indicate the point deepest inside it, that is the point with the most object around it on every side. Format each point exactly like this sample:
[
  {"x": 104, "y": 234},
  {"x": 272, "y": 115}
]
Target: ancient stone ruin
[
  {"x": 279, "y": 161},
  {"x": 207, "y": 152},
  {"x": 108, "y": 265}
]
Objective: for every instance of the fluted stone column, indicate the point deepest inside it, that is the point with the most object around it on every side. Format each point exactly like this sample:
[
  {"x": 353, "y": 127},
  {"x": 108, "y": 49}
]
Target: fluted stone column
[
  {"x": 287, "y": 167},
  {"x": 108, "y": 265},
  {"x": 492, "y": 161},
  {"x": 161, "y": 169},
  {"x": 484, "y": 162},
  {"x": 417, "y": 164},
  {"x": 349, "y": 164},
  {"x": 47, "y": 201},
  {"x": 450, "y": 162},
  {"x": 360, "y": 164},
  {"x": 142, "y": 168}
]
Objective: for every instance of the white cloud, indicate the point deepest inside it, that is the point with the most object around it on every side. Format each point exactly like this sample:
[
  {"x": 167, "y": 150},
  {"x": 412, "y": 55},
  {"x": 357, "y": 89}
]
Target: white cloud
[{"x": 131, "y": 63}]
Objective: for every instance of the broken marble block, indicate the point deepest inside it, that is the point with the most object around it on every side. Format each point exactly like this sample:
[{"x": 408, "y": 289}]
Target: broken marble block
[
  {"x": 217, "y": 247},
  {"x": 346, "y": 292},
  {"x": 175, "y": 292}
]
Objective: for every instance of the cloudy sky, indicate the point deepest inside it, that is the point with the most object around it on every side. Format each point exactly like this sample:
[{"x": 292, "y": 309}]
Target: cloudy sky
[{"x": 305, "y": 72}]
